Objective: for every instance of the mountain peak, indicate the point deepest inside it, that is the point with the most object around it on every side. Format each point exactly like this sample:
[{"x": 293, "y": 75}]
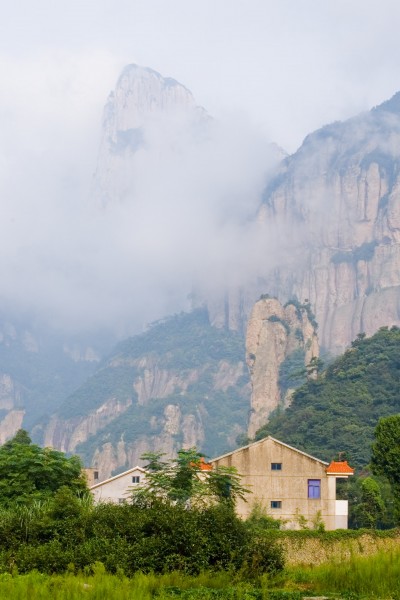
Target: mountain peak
[
  {"x": 392, "y": 105},
  {"x": 137, "y": 72}
]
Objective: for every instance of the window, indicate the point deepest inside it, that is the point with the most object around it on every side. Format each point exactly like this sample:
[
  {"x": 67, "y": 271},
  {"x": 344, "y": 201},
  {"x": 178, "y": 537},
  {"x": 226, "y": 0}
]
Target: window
[
  {"x": 136, "y": 479},
  {"x": 276, "y": 466},
  {"x": 95, "y": 475},
  {"x": 314, "y": 488},
  {"x": 276, "y": 504}
]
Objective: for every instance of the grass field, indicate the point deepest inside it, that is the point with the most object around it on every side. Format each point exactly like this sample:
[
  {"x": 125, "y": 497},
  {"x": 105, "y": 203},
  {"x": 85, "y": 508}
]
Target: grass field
[{"x": 368, "y": 578}]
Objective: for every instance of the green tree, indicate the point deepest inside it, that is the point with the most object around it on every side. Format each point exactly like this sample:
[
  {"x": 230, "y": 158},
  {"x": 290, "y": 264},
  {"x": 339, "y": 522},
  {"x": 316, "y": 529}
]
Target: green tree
[
  {"x": 29, "y": 472},
  {"x": 183, "y": 481},
  {"x": 385, "y": 458},
  {"x": 370, "y": 509}
]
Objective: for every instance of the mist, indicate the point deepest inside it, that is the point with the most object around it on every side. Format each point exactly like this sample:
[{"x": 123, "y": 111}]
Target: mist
[{"x": 186, "y": 217}]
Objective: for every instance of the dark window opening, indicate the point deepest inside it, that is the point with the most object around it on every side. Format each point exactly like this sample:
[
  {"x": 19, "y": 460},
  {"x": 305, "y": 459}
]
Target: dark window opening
[
  {"x": 276, "y": 504},
  {"x": 136, "y": 479},
  {"x": 95, "y": 475},
  {"x": 276, "y": 466}
]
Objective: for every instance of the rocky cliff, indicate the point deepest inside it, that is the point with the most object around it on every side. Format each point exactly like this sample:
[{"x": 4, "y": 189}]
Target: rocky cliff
[
  {"x": 182, "y": 383},
  {"x": 338, "y": 201},
  {"x": 281, "y": 342},
  {"x": 37, "y": 371},
  {"x": 334, "y": 207},
  {"x": 145, "y": 110}
]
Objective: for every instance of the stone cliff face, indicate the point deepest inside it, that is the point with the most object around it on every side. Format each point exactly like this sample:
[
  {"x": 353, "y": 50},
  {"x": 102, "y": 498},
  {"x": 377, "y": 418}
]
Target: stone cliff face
[
  {"x": 338, "y": 197},
  {"x": 276, "y": 337},
  {"x": 335, "y": 204},
  {"x": 144, "y": 110},
  {"x": 173, "y": 427},
  {"x": 181, "y": 384}
]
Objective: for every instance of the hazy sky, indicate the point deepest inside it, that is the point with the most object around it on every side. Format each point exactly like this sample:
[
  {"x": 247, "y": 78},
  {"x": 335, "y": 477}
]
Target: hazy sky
[
  {"x": 290, "y": 65},
  {"x": 284, "y": 67}
]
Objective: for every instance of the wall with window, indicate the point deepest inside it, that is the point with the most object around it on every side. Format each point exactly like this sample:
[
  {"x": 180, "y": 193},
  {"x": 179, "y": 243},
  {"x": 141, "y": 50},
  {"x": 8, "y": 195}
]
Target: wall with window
[
  {"x": 288, "y": 483},
  {"x": 117, "y": 489}
]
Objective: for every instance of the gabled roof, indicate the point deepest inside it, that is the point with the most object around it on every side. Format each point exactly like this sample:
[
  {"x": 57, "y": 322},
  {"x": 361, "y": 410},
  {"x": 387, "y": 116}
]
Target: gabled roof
[
  {"x": 96, "y": 485},
  {"x": 339, "y": 468},
  {"x": 322, "y": 462}
]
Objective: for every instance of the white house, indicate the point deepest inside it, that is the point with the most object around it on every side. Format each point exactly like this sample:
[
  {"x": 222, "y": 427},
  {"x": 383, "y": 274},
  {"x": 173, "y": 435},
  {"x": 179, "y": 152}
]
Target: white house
[{"x": 118, "y": 488}]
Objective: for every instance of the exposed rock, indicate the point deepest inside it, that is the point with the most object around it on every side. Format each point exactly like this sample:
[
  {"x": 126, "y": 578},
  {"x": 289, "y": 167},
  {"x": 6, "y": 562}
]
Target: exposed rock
[
  {"x": 10, "y": 424},
  {"x": 274, "y": 333},
  {"x": 143, "y": 101},
  {"x": 10, "y": 393},
  {"x": 67, "y": 434}
]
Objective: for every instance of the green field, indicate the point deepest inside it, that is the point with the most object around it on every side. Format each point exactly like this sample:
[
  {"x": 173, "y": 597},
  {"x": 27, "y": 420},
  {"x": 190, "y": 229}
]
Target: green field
[{"x": 375, "y": 577}]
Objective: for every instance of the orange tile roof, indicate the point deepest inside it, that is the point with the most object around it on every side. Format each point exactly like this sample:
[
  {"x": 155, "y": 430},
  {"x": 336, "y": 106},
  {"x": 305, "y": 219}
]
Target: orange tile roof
[
  {"x": 339, "y": 468},
  {"x": 202, "y": 465},
  {"x": 205, "y": 466}
]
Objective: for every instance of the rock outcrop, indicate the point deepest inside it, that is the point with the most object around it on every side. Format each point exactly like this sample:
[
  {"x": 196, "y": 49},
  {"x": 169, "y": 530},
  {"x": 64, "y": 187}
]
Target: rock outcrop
[
  {"x": 181, "y": 384},
  {"x": 144, "y": 110},
  {"x": 338, "y": 202},
  {"x": 334, "y": 206},
  {"x": 277, "y": 337}
]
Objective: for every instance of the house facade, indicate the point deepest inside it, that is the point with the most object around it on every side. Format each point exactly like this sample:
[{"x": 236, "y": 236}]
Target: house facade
[
  {"x": 289, "y": 484},
  {"x": 117, "y": 489}
]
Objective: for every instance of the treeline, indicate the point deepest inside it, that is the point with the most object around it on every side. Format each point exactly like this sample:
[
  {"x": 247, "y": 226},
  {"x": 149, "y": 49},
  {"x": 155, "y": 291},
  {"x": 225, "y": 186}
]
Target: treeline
[
  {"x": 178, "y": 521},
  {"x": 335, "y": 416},
  {"x": 70, "y": 534}
]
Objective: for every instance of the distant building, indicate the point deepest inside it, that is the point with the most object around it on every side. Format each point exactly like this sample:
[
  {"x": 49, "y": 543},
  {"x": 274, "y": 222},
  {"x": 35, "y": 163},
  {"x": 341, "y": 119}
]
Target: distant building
[
  {"x": 289, "y": 484},
  {"x": 117, "y": 489}
]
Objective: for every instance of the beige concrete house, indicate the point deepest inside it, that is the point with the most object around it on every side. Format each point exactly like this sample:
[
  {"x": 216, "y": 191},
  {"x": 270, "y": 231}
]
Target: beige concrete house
[
  {"x": 291, "y": 485},
  {"x": 118, "y": 488}
]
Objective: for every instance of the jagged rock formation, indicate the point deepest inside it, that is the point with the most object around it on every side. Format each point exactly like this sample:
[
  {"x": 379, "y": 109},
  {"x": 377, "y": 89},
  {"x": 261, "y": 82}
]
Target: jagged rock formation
[
  {"x": 181, "y": 384},
  {"x": 336, "y": 206},
  {"x": 338, "y": 197},
  {"x": 280, "y": 340},
  {"x": 145, "y": 109}
]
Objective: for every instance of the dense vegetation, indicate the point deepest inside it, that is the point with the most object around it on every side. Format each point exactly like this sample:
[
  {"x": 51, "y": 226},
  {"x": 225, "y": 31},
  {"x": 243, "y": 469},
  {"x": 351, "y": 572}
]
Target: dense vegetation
[
  {"x": 339, "y": 410},
  {"x": 43, "y": 373},
  {"x": 179, "y": 345},
  {"x": 29, "y": 473},
  {"x": 53, "y": 526}
]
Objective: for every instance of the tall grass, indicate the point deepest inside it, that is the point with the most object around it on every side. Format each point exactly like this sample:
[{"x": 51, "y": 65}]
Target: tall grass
[
  {"x": 376, "y": 576},
  {"x": 103, "y": 586}
]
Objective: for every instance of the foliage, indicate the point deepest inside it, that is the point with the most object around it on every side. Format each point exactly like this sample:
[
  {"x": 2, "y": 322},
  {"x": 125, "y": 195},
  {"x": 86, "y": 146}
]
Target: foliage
[
  {"x": 364, "y": 577},
  {"x": 364, "y": 252},
  {"x": 183, "y": 481},
  {"x": 42, "y": 372},
  {"x": 160, "y": 538},
  {"x": 184, "y": 346},
  {"x": 368, "y": 511},
  {"x": 259, "y": 520},
  {"x": 385, "y": 458},
  {"x": 29, "y": 473},
  {"x": 338, "y": 411},
  {"x": 292, "y": 372}
]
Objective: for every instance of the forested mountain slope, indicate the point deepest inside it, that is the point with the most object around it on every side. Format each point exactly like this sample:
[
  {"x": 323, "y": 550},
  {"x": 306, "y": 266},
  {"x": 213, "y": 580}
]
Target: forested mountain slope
[
  {"x": 181, "y": 383},
  {"x": 338, "y": 411}
]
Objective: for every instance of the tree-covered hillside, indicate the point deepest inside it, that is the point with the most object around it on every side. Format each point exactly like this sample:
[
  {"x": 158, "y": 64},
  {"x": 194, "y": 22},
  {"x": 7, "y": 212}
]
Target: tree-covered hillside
[
  {"x": 338, "y": 411},
  {"x": 181, "y": 366}
]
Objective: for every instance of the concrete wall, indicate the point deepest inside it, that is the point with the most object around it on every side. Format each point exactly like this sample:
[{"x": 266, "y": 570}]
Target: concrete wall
[
  {"x": 117, "y": 489},
  {"x": 288, "y": 486}
]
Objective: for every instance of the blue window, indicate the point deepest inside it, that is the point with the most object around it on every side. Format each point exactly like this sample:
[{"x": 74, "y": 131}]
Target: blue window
[
  {"x": 276, "y": 466},
  {"x": 314, "y": 488},
  {"x": 276, "y": 504}
]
